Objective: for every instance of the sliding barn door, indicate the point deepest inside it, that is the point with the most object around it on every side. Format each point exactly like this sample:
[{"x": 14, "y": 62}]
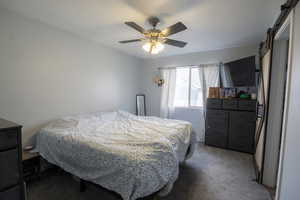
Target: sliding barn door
[{"x": 262, "y": 98}]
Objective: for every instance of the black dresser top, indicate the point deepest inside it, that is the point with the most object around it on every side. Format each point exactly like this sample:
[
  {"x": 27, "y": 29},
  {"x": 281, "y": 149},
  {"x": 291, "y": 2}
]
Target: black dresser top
[{"x": 4, "y": 124}]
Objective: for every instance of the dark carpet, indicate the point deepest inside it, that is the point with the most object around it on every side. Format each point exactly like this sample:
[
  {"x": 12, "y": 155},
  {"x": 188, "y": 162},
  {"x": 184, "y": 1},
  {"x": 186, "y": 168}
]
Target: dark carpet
[{"x": 211, "y": 174}]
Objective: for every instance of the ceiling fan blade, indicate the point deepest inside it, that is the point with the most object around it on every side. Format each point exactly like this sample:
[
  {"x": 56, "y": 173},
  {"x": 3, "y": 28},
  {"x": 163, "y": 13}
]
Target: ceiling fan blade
[
  {"x": 128, "y": 41},
  {"x": 135, "y": 26},
  {"x": 176, "y": 43},
  {"x": 175, "y": 28}
]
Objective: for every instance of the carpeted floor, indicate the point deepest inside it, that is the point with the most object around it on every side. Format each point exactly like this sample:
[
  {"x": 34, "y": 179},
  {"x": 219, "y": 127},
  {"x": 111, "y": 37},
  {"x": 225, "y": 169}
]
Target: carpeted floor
[{"x": 211, "y": 174}]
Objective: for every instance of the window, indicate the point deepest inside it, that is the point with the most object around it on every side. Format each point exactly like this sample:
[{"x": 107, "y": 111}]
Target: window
[
  {"x": 188, "y": 91},
  {"x": 181, "y": 98},
  {"x": 190, "y": 82},
  {"x": 196, "y": 96}
]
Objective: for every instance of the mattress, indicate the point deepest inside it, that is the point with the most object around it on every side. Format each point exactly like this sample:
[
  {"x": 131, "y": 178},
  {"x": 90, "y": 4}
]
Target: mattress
[{"x": 132, "y": 155}]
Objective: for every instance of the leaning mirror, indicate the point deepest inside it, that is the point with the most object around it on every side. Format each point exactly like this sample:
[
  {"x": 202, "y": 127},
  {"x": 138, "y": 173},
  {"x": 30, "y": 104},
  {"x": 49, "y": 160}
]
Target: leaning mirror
[{"x": 140, "y": 105}]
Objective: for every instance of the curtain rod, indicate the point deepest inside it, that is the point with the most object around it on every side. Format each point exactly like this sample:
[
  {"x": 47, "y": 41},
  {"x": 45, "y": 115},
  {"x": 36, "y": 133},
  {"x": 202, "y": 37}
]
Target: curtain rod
[{"x": 191, "y": 66}]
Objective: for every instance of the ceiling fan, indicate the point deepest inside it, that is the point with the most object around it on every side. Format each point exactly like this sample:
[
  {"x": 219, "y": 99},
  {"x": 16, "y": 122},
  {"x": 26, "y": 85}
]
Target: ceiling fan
[{"x": 155, "y": 38}]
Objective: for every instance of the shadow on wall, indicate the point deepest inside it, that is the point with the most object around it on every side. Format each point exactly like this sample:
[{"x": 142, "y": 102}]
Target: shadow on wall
[{"x": 163, "y": 8}]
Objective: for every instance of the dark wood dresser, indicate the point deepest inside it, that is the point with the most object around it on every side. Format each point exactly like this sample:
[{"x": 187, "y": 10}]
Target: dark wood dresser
[
  {"x": 11, "y": 175},
  {"x": 230, "y": 124}
]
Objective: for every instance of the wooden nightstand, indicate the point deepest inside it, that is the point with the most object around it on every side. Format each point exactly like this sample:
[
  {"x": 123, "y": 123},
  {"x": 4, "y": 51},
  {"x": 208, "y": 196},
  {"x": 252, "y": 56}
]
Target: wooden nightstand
[{"x": 31, "y": 166}]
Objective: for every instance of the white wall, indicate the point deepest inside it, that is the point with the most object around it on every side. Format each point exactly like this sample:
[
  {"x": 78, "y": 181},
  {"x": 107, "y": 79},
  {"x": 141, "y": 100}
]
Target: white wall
[
  {"x": 291, "y": 163},
  {"x": 152, "y": 91},
  {"x": 46, "y": 73}
]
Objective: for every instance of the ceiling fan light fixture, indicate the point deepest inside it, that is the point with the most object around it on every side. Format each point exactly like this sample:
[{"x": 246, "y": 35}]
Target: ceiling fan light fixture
[
  {"x": 156, "y": 47},
  {"x": 156, "y": 38}
]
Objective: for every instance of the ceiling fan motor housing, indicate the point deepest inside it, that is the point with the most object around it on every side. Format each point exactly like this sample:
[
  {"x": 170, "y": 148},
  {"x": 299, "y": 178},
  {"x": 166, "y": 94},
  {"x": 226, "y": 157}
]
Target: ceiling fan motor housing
[{"x": 153, "y": 21}]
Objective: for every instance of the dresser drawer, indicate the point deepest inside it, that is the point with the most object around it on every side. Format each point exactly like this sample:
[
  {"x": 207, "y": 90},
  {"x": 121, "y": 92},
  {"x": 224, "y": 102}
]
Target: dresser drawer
[
  {"x": 247, "y": 105},
  {"x": 217, "y": 138},
  {"x": 8, "y": 138},
  {"x": 216, "y": 118},
  {"x": 214, "y": 103},
  {"x": 230, "y": 104},
  {"x": 9, "y": 168},
  {"x": 216, "y": 126},
  {"x": 11, "y": 194},
  {"x": 242, "y": 117},
  {"x": 241, "y": 131}
]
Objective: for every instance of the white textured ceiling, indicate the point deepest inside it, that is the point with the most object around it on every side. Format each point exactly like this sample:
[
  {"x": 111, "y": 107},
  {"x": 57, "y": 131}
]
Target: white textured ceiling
[{"x": 212, "y": 24}]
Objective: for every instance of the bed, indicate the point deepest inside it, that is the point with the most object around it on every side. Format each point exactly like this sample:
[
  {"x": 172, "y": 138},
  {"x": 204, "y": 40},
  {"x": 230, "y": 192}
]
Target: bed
[{"x": 131, "y": 155}]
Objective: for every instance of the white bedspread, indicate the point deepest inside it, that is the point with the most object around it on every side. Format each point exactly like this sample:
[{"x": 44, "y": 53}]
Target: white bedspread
[{"x": 133, "y": 156}]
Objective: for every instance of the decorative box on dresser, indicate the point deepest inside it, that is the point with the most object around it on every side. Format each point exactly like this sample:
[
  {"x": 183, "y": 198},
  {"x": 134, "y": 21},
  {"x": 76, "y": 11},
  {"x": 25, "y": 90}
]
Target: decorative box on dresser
[
  {"x": 230, "y": 124},
  {"x": 11, "y": 175}
]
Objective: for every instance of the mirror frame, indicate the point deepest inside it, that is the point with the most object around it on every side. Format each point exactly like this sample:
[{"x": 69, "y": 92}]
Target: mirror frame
[{"x": 136, "y": 101}]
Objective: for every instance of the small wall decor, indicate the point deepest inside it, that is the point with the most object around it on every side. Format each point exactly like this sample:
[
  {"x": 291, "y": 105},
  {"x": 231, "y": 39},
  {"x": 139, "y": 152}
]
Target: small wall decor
[{"x": 158, "y": 80}]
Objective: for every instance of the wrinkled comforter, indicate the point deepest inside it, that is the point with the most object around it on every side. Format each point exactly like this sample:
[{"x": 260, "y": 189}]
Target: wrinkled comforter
[{"x": 131, "y": 155}]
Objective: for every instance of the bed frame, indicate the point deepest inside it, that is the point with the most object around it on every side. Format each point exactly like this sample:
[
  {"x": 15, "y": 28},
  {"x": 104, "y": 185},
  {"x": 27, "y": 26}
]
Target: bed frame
[{"x": 83, "y": 185}]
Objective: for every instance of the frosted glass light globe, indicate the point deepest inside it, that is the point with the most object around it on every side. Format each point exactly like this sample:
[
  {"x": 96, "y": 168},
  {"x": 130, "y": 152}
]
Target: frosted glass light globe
[{"x": 157, "y": 47}]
